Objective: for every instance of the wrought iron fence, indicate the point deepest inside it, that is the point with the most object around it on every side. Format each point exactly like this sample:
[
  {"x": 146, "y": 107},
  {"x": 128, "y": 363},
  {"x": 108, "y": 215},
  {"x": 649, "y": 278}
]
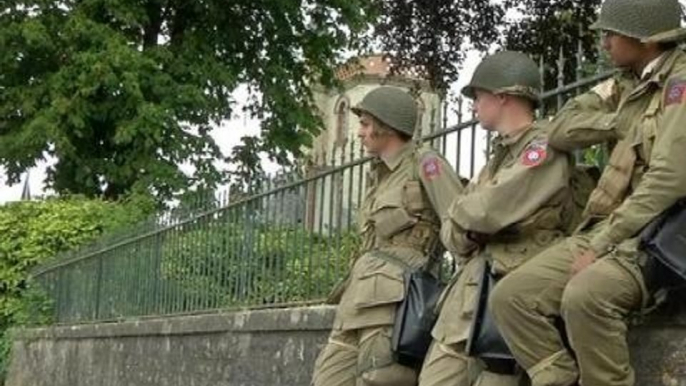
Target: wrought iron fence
[{"x": 285, "y": 246}]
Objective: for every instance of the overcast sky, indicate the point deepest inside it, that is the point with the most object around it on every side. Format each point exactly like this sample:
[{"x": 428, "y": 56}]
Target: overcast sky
[{"x": 228, "y": 135}]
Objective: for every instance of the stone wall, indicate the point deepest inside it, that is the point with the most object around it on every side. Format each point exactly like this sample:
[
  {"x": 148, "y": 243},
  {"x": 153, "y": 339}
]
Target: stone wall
[
  {"x": 658, "y": 345},
  {"x": 275, "y": 347},
  {"x": 256, "y": 348}
]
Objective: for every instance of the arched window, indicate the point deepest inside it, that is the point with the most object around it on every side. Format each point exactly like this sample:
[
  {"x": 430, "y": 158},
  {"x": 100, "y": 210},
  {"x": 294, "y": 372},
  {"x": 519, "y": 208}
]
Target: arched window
[{"x": 342, "y": 111}]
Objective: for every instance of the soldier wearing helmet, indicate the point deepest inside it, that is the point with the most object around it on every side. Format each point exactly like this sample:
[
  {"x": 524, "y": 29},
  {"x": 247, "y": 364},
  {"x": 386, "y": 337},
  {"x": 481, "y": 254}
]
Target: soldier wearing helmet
[
  {"x": 408, "y": 189},
  {"x": 515, "y": 208},
  {"x": 596, "y": 278}
]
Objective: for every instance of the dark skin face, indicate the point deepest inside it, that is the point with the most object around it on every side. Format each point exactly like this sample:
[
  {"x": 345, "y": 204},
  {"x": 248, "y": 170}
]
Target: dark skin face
[{"x": 627, "y": 52}]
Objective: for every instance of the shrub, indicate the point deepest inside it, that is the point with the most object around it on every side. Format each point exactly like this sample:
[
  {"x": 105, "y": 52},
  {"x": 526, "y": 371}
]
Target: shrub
[{"x": 33, "y": 232}]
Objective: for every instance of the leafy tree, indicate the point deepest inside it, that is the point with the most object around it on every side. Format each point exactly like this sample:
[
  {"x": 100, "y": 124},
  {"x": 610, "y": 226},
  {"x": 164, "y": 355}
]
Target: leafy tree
[
  {"x": 570, "y": 21},
  {"x": 433, "y": 34},
  {"x": 123, "y": 92}
]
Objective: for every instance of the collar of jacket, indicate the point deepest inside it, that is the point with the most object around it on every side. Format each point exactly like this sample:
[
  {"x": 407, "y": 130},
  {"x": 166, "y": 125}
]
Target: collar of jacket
[
  {"x": 665, "y": 66},
  {"x": 516, "y": 143},
  {"x": 392, "y": 161},
  {"x": 660, "y": 71},
  {"x": 648, "y": 70},
  {"x": 659, "y": 75}
]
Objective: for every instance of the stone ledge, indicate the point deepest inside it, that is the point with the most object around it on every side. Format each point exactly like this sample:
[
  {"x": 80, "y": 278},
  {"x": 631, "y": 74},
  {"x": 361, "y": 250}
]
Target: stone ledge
[
  {"x": 316, "y": 318},
  {"x": 253, "y": 348}
]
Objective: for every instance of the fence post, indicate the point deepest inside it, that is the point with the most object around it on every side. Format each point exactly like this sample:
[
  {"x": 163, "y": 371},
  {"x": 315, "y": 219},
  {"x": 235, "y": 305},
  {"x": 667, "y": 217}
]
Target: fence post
[
  {"x": 541, "y": 69},
  {"x": 579, "y": 57},
  {"x": 98, "y": 289},
  {"x": 560, "y": 77}
]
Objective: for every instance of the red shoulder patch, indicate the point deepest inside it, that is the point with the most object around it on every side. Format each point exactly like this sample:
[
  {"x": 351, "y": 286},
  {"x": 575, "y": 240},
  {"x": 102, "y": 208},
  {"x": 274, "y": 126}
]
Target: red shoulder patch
[
  {"x": 676, "y": 92},
  {"x": 534, "y": 154},
  {"x": 431, "y": 168}
]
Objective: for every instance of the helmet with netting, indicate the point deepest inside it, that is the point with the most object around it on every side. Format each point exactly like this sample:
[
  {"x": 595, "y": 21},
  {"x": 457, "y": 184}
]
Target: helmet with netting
[
  {"x": 647, "y": 20},
  {"x": 506, "y": 72}
]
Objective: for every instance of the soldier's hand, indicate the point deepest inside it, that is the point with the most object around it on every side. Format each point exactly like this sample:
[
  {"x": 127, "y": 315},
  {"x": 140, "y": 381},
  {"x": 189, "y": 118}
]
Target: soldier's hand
[{"x": 583, "y": 260}]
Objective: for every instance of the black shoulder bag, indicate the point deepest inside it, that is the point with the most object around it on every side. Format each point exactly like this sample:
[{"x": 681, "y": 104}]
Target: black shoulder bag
[
  {"x": 664, "y": 241},
  {"x": 415, "y": 317},
  {"x": 485, "y": 341}
]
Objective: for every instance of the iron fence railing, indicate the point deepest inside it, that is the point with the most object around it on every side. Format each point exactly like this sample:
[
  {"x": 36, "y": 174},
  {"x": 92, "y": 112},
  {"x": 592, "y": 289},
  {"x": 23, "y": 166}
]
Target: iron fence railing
[{"x": 285, "y": 246}]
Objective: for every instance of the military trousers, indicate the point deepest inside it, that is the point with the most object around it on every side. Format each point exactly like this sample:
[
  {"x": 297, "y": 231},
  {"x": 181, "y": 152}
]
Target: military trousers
[
  {"x": 593, "y": 304},
  {"x": 447, "y": 363},
  {"x": 361, "y": 357},
  {"x": 358, "y": 352}
]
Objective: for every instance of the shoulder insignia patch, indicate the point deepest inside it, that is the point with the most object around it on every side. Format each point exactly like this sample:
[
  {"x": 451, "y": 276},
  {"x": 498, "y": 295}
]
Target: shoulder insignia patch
[
  {"x": 676, "y": 92},
  {"x": 535, "y": 153},
  {"x": 431, "y": 167}
]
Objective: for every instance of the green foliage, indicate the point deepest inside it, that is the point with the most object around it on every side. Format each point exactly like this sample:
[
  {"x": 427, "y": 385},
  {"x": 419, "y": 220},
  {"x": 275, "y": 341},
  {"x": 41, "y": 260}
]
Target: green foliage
[
  {"x": 431, "y": 34},
  {"x": 596, "y": 156},
  {"x": 31, "y": 232},
  {"x": 570, "y": 21},
  {"x": 228, "y": 265},
  {"x": 124, "y": 92},
  {"x": 31, "y": 308}
]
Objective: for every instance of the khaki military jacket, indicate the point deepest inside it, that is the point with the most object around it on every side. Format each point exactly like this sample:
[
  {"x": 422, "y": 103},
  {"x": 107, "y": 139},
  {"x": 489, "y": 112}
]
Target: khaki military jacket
[
  {"x": 645, "y": 119},
  {"x": 400, "y": 226},
  {"x": 517, "y": 203}
]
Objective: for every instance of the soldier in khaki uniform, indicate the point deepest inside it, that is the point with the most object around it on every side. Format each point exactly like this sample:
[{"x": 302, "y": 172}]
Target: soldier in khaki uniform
[
  {"x": 593, "y": 280},
  {"x": 408, "y": 187},
  {"x": 514, "y": 209}
]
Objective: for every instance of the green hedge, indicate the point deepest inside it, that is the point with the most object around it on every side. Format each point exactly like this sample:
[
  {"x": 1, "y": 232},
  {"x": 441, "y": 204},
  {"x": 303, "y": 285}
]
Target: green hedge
[
  {"x": 32, "y": 232},
  {"x": 226, "y": 265}
]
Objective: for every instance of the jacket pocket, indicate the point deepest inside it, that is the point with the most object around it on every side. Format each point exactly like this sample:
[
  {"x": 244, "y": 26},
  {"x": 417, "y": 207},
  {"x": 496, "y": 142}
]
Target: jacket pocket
[
  {"x": 413, "y": 197},
  {"x": 390, "y": 215},
  {"x": 378, "y": 283}
]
